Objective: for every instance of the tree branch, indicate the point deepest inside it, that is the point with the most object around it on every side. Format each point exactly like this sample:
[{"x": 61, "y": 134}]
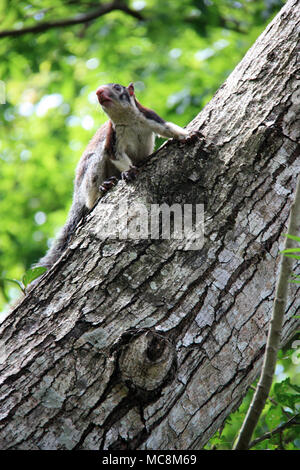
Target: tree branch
[
  {"x": 79, "y": 19},
  {"x": 274, "y": 336},
  {"x": 277, "y": 430}
]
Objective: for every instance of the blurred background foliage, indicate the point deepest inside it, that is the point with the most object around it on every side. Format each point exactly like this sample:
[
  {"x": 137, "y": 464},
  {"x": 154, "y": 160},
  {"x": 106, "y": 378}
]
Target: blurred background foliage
[{"x": 178, "y": 52}]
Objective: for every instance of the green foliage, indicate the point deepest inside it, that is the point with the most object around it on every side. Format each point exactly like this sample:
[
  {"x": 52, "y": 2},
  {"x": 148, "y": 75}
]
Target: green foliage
[
  {"x": 283, "y": 405},
  {"x": 177, "y": 57},
  {"x": 27, "y": 278},
  {"x": 292, "y": 252}
]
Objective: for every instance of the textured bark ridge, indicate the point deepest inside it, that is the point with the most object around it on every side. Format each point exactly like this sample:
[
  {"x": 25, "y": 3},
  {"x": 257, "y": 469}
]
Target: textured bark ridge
[{"x": 142, "y": 343}]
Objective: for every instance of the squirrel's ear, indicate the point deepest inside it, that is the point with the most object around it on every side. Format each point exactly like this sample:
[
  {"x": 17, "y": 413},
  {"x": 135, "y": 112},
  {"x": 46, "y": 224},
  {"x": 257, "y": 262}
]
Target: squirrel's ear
[{"x": 130, "y": 88}]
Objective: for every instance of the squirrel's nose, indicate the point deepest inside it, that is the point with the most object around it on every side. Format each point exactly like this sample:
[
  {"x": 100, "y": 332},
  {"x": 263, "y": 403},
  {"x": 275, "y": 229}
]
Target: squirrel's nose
[
  {"x": 100, "y": 90},
  {"x": 103, "y": 95}
]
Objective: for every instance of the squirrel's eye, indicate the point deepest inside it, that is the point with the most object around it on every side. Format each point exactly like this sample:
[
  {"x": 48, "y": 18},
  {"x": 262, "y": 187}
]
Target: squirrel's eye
[{"x": 117, "y": 87}]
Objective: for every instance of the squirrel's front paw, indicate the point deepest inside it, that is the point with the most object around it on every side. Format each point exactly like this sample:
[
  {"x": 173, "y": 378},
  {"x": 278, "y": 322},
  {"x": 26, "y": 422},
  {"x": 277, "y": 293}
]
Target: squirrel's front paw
[
  {"x": 108, "y": 184},
  {"x": 130, "y": 174},
  {"x": 194, "y": 135},
  {"x": 190, "y": 136},
  {"x": 183, "y": 135}
]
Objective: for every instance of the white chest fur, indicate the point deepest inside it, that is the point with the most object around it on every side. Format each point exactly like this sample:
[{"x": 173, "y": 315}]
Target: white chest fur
[{"x": 133, "y": 144}]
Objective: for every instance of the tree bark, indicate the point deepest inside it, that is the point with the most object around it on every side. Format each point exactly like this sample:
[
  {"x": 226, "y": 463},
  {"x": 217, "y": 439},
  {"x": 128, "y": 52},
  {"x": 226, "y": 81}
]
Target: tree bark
[
  {"x": 274, "y": 335},
  {"x": 143, "y": 344}
]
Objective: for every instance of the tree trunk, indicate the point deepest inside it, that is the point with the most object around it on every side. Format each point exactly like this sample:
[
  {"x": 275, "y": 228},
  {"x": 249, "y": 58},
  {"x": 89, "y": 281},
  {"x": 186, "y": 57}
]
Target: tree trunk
[{"x": 145, "y": 344}]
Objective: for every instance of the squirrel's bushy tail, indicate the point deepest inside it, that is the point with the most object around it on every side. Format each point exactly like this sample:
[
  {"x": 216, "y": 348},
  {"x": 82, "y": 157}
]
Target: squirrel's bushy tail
[{"x": 63, "y": 239}]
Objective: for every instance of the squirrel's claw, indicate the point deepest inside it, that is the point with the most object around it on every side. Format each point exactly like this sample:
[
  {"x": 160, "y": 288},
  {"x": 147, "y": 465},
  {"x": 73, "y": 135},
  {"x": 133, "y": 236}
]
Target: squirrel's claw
[
  {"x": 108, "y": 184},
  {"x": 130, "y": 174}
]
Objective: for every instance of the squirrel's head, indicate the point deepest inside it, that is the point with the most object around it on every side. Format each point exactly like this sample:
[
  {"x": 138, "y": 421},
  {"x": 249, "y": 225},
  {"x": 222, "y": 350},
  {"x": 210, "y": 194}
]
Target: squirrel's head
[{"x": 115, "y": 98}]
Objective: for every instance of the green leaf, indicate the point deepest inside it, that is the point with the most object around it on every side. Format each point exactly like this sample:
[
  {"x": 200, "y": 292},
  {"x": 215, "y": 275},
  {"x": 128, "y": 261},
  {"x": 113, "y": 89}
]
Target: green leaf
[
  {"x": 291, "y": 250},
  {"x": 292, "y": 237},
  {"x": 18, "y": 283},
  {"x": 33, "y": 274},
  {"x": 285, "y": 394}
]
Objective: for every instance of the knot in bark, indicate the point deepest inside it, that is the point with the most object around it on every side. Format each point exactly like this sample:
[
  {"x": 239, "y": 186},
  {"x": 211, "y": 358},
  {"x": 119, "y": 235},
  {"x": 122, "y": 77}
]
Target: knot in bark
[{"x": 146, "y": 360}]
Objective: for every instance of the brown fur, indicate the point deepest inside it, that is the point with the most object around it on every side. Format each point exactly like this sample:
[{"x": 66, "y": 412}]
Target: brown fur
[
  {"x": 148, "y": 113},
  {"x": 110, "y": 141},
  {"x": 100, "y": 135}
]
